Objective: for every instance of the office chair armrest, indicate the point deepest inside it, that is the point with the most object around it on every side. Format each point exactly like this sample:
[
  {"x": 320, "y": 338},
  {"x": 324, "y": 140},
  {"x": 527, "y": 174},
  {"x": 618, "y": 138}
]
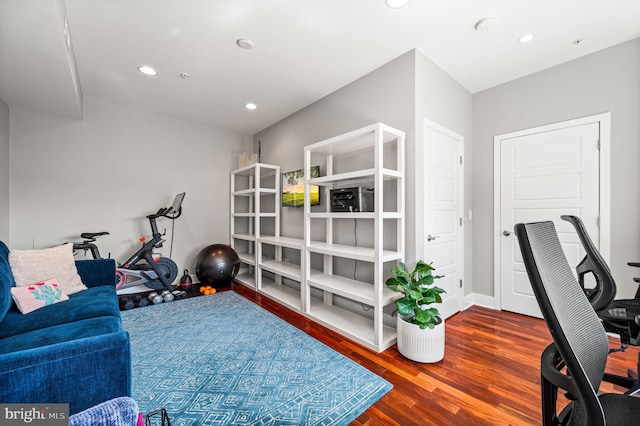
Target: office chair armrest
[
  {"x": 625, "y": 382},
  {"x": 551, "y": 364}
]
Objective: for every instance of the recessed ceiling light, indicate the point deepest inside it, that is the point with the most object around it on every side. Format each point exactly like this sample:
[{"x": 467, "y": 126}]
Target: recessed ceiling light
[
  {"x": 147, "y": 70},
  {"x": 244, "y": 43},
  {"x": 525, "y": 38},
  {"x": 250, "y": 106},
  {"x": 396, "y": 4}
]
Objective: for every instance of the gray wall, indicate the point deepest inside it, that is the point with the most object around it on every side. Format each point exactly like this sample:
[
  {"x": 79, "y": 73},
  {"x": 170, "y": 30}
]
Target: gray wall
[
  {"x": 67, "y": 176},
  {"x": 443, "y": 100},
  {"x": 4, "y": 172},
  {"x": 401, "y": 94},
  {"x": 608, "y": 80},
  {"x": 386, "y": 94},
  {"x": 111, "y": 169}
]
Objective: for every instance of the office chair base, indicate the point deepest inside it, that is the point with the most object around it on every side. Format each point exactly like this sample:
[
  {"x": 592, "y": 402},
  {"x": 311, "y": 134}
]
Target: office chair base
[{"x": 623, "y": 347}]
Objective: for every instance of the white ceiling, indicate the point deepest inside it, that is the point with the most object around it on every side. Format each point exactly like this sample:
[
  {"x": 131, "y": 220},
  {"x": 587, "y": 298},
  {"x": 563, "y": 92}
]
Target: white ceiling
[{"x": 303, "y": 49}]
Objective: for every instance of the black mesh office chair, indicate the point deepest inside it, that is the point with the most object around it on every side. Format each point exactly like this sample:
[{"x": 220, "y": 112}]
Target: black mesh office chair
[
  {"x": 636, "y": 279},
  {"x": 580, "y": 340},
  {"x": 620, "y": 316}
]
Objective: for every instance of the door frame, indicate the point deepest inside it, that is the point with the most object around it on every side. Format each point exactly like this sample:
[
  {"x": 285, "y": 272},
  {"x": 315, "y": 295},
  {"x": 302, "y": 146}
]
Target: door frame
[
  {"x": 604, "y": 121},
  {"x": 459, "y": 208}
]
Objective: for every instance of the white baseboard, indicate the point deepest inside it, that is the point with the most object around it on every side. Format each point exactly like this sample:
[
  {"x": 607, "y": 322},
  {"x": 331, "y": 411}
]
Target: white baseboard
[{"x": 478, "y": 300}]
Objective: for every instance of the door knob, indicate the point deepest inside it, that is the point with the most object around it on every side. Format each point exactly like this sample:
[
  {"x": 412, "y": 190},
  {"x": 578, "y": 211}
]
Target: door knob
[
  {"x": 431, "y": 238},
  {"x": 506, "y": 233}
]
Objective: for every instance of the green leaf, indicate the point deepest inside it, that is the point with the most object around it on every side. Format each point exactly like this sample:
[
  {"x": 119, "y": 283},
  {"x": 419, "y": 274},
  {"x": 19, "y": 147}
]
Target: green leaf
[
  {"x": 405, "y": 306},
  {"x": 400, "y": 271},
  {"x": 432, "y": 312},
  {"x": 423, "y": 268},
  {"x": 427, "y": 279},
  {"x": 431, "y": 298},
  {"x": 393, "y": 283},
  {"x": 422, "y": 316},
  {"x": 415, "y": 295}
]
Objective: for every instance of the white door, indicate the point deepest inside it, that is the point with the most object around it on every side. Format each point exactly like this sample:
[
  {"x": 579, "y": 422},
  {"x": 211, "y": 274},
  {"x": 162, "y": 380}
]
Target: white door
[
  {"x": 443, "y": 236},
  {"x": 544, "y": 175}
]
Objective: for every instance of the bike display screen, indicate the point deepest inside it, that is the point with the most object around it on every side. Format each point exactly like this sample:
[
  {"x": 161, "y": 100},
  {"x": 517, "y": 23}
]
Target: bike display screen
[{"x": 177, "y": 202}]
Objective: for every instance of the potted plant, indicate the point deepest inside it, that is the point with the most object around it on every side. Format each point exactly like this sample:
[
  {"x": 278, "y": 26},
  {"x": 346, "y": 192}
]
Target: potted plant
[{"x": 420, "y": 326}]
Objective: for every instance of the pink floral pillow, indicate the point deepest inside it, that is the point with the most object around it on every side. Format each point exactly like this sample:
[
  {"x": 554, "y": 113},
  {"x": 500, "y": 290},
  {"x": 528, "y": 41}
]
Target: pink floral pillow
[{"x": 35, "y": 296}]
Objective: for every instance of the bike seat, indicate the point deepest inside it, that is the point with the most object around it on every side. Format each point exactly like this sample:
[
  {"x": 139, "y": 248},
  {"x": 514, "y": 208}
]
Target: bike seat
[{"x": 92, "y": 235}]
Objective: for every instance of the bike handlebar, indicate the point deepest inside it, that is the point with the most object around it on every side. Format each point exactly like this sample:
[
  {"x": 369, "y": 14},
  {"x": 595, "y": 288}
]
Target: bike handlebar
[{"x": 165, "y": 212}]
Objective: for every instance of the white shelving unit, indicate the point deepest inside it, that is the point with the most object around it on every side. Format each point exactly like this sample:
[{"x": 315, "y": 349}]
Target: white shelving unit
[
  {"x": 280, "y": 268},
  {"x": 255, "y": 196},
  {"x": 371, "y": 156}
]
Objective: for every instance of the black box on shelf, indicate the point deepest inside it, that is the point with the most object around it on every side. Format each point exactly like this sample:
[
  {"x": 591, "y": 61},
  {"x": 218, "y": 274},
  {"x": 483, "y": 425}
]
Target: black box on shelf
[{"x": 356, "y": 199}]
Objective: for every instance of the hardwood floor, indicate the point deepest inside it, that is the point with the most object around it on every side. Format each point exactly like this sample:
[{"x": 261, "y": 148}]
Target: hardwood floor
[{"x": 489, "y": 375}]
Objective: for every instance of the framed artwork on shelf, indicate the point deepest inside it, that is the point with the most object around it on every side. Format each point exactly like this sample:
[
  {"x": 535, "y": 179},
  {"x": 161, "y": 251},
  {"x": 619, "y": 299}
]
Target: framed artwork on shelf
[{"x": 293, "y": 188}]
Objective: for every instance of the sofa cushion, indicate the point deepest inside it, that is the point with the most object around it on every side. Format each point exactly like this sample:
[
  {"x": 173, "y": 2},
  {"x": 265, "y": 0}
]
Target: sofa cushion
[
  {"x": 31, "y": 266},
  {"x": 6, "y": 281},
  {"x": 95, "y": 272},
  {"x": 36, "y": 296},
  {"x": 60, "y": 333},
  {"x": 90, "y": 303}
]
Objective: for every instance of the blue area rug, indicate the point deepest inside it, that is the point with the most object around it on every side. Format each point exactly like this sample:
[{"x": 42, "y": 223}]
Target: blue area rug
[{"x": 223, "y": 360}]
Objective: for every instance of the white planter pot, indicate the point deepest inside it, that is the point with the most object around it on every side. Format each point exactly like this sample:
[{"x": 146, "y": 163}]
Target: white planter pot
[{"x": 420, "y": 345}]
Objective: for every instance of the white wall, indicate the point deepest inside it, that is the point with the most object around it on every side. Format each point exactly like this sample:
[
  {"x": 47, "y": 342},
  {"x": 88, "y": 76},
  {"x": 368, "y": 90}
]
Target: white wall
[
  {"x": 608, "y": 80},
  {"x": 111, "y": 169},
  {"x": 4, "y": 172}
]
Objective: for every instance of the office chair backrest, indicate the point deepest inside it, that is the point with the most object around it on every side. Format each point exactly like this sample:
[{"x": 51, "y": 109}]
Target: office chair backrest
[
  {"x": 576, "y": 330},
  {"x": 606, "y": 289}
]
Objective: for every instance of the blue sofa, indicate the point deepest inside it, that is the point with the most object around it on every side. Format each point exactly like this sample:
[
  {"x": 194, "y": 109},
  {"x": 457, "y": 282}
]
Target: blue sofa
[{"x": 73, "y": 352}]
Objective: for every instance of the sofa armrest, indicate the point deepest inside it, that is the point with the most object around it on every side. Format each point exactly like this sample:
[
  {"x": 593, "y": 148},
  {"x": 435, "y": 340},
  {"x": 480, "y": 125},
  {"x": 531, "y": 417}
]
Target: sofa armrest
[
  {"x": 82, "y": 372},
  {"x": 96, "y": 272}
]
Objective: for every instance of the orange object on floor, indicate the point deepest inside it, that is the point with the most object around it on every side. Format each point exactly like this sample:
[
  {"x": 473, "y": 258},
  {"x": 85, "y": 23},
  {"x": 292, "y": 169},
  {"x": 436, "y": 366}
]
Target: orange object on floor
[{"x": 207, "y": 290}]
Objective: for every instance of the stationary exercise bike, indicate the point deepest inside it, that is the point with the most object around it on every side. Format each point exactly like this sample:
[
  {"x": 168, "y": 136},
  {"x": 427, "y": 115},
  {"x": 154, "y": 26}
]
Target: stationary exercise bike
[{"x": 144, "y": 270}]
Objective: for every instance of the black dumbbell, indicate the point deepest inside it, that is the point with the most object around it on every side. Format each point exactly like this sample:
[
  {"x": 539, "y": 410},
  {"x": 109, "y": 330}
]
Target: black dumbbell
[
  {"x": 127, "y": 303},
  {"x": 141, "y": 301}
]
